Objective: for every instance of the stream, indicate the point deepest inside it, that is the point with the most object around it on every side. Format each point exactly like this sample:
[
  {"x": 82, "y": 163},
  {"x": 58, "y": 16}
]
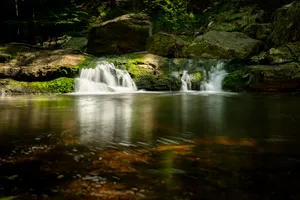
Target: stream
[{"x": 194, "y": 145}]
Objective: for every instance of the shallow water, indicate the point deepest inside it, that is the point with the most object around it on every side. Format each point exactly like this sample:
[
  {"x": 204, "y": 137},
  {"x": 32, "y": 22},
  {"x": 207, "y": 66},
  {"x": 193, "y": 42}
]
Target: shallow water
[{"x": 194, "y": 145}]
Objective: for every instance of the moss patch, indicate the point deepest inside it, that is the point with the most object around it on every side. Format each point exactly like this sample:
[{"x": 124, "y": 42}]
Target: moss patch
[
  {"x": 234, "y": 82},
  {"x": 59, "y": 85}
]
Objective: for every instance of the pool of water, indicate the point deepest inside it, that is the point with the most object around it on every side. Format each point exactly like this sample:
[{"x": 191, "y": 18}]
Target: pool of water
[{"x": 150, "y": 146}]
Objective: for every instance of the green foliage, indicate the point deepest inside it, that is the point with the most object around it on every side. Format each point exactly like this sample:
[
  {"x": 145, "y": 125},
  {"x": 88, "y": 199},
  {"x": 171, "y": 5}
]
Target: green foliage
[
  {"x": 234, "y": 82},
  {"x": 87, "y": 62},
  {"x": 59, "y": 85},
  {"x": 170, "y": 15},
  {"x": 7, "y": 198}
]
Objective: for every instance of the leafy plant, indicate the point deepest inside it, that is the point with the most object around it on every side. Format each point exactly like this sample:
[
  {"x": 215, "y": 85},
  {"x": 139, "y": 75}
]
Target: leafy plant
[{"x": 170, "y": 15}]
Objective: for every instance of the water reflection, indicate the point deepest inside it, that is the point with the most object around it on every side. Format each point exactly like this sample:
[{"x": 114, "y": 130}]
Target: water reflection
[{"x": 104, "y": 119}]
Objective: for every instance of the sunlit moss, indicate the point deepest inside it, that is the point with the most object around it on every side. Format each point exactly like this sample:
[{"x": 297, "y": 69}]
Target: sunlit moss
[{"x": 59, "y": 85}]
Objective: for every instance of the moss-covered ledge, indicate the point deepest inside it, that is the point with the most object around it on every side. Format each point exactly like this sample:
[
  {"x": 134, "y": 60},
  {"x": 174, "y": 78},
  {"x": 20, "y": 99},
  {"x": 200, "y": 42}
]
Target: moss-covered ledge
[
  {"x": 150, "y": 72},
  {"x": 59, "y": 85}
]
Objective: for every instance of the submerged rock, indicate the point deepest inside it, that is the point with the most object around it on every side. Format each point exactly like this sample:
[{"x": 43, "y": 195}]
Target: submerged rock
[
  {"x": 166, "y": 45},
  {"x": 223, "y": 45},
  {"x": 124, "y": 34}
]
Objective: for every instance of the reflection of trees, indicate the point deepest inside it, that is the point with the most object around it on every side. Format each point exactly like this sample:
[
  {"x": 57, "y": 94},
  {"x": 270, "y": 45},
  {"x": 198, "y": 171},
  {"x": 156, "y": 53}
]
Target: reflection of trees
[
  {"x": 143, "y": 118},
  {"x": 35, "y": 115},
  {"x": 104, "y": 119}
]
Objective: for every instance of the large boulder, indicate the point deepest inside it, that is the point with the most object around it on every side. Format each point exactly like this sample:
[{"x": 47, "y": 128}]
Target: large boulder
[
  {"x": 286, "y": 24},
  {"x": 166, "y": 45},
  {"x": 265, "y": 78},
  {"x": 124, "y": 34},
  {"x": 284, "y": 77},
  {"x": 223, "y": 45},
  {"x": 284, "y": 54},
  {"x": 41, "y": 65}
]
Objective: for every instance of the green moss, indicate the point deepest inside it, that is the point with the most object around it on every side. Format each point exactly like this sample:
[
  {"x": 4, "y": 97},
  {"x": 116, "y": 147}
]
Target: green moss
[
  {"x": 87, "y": 62},
  {"x": 234, "y": 82},
  {"x": 59, "y": 85},
  {"x": 7, "y": 198}
]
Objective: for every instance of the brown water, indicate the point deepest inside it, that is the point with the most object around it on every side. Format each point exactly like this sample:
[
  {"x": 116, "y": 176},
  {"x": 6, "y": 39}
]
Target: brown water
[{"x": 150, "y": 146}]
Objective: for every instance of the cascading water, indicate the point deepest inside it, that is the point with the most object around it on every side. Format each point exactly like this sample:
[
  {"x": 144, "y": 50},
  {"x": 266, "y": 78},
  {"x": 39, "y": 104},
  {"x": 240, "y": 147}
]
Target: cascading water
[
  {"x": 2, "y": 93},
  {"x": 186, "y": 83},
  {"x": 104, "y": 78},
  {"x": 214, "y": 78}
]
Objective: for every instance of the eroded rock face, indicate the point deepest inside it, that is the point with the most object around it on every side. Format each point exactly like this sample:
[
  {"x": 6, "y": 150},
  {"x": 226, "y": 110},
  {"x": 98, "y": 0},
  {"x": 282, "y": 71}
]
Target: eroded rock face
[
  {"x": 223, "y": 45},
  {"x": 124, "y": 34},
  {"x": 286, "y": 24},
  {"x": 166, "y": 45}
]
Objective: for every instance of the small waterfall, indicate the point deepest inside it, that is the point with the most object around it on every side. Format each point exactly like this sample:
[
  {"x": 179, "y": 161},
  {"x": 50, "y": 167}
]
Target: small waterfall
[
  {"x": 213, "y": 80},
  {"x": 104, "y": 78},
  {"x": 2, "y": 93},
  {"x": 186, "y": 83}
]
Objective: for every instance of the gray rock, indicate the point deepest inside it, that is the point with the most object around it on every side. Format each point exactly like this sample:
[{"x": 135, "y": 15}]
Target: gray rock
[
  {"x": 223, "y": 45},
  {"x": 76, "y": 43},
  {"x": 124, "y": 34}
]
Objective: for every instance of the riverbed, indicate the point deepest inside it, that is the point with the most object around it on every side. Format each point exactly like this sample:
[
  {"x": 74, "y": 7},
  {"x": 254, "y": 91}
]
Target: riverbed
[{"x": 195, "y": 145}]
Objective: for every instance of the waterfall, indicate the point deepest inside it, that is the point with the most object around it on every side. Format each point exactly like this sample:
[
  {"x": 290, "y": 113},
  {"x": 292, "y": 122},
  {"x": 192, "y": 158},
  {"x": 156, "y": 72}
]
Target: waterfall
[
  {"x": 2, "y": 93},
  {"x": 186, "y": 83},
  {"x": 104, "y": 78},
  {"x": 213, "y": 80}
]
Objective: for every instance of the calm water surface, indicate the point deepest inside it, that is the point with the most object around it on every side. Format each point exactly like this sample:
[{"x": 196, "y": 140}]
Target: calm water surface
[{"x": 150, "y": 146}]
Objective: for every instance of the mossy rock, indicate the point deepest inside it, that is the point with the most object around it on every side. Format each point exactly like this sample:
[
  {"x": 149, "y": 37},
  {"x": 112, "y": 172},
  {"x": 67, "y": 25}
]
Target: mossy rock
[
  {"x": 60, "y": 85},
  {"x": 276, "y": 78},
  {"x": 166, "y": 45},
  {"x": 286, "y": 24},
  {"x": 223, "y": 45},
  {"x": 284, "y": 54},
  {"x": 258, "y": 31},
  {"x": 232, "y": 19},
  {"x": 150, "y": 72},
  {"x": 235, "y": 81},
  {"x": 4, "y": 57}
]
